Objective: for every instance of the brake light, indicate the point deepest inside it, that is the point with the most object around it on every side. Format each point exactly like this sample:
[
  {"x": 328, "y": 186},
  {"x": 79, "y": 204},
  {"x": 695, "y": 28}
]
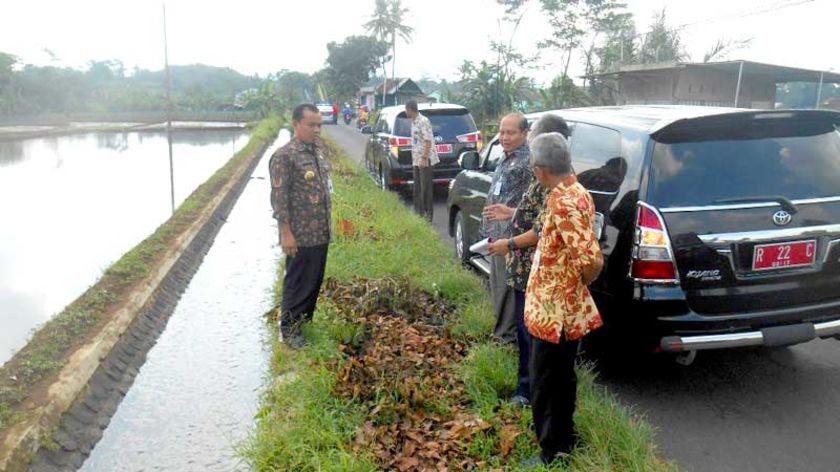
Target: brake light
[
  {"x": 470, "y": 137},
  {"x": 653, "y": 257}
]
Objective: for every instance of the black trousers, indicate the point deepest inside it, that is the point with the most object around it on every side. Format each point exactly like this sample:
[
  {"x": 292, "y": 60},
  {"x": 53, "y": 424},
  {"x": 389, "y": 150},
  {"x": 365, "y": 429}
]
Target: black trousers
[
  {"x": 553, "y": 395},
  {"x": 523, "y": 341},
  {"x": 301, "y": 285},
  {"x": 423, "y": 191}
]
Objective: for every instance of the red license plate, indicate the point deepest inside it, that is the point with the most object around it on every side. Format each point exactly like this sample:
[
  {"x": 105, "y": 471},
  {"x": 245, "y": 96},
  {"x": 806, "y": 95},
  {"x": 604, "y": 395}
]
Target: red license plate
[
  {"x": 444, "y": 148},
  {"x": 784, "y": 255}
]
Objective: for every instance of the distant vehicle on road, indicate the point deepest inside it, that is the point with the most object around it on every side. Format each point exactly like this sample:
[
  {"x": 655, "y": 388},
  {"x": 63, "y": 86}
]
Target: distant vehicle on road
[
  {"x": 720, "y": 227},
  {"x": 327, "y": 113},
  {"x": 388, "y": 151}
]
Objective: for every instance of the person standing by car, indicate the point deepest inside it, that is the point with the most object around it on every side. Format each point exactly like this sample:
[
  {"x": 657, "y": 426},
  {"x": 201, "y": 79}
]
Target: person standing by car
[
  {"x": 300, "y": 200},
  {"x": 559, "y": 310},
  {"x": 519, "y": 249},
  {"x": 423, "y": 157},
  {"x": 511, "y": 178}
]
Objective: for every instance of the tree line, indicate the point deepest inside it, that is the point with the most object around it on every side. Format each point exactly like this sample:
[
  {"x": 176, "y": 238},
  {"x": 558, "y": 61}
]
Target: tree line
[{"x": 106, "y": 87}]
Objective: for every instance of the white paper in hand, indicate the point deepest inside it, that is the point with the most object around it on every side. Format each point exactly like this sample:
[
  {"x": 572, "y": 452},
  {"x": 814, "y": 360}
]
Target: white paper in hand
[{"x": 482, "y": 247}]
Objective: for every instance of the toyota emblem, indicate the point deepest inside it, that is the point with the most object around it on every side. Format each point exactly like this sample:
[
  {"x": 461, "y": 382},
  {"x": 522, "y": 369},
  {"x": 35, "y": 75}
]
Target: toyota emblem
[{"x": 781, "y": 218}]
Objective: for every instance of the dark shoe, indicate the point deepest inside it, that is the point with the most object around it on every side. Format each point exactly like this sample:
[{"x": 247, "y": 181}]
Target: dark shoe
[
  {"x": 520, "y": 401},
  {"x": 540, "y": 460},
  {"x": 532, "y": 462},
  {"x": 504, "y": 341},
  {"x": 294, "y": 340}
]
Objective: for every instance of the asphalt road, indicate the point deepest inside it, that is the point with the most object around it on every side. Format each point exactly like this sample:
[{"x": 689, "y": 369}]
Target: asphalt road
[{"x": 734, "y": 410}]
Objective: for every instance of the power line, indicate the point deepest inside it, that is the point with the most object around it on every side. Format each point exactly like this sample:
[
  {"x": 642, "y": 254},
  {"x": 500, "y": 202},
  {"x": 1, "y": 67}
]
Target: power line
[{"x": 743, "y": 14}]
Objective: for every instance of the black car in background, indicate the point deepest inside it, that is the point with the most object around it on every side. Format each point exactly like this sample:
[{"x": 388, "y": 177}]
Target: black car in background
[
  {"x": 720, "y": 227},
  {"x": 388, "y": 151}
]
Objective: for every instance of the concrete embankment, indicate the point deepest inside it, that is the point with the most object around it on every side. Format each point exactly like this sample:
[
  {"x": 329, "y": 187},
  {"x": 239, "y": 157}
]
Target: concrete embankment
[{"x": 63, "y": 417}]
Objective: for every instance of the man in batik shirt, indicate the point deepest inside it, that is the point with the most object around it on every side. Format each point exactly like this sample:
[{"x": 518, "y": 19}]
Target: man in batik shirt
[
  {"x": 423, "y": 156},
  {"x": 300, "y": 198},
  {"x": 519, "y": 248},
  {"x": 559, "y": 310},
  {"x": 510, "y": 180}
]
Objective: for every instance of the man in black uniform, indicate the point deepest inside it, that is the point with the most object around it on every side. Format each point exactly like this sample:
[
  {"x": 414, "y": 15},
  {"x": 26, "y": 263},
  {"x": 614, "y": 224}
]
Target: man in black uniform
[{"x": 300, "y": 198}]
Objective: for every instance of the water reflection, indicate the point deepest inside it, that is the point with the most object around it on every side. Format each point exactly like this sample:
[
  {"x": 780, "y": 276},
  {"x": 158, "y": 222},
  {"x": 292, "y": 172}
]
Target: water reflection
[
  {"x": 196, "y": 396},
  {"x": 10, "y": 152},
  {"x": 72, "y": 205}
]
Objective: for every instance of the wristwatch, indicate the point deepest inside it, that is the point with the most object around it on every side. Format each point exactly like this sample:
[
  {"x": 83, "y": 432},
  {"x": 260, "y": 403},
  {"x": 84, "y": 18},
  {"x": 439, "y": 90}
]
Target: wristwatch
[{"x": 512, "y": 245}]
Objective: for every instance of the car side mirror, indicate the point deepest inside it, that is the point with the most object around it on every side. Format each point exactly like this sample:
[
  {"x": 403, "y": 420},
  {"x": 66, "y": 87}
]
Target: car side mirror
[
  {"x": 367, "y": 130},
  {"x": 469, "y": 160}
]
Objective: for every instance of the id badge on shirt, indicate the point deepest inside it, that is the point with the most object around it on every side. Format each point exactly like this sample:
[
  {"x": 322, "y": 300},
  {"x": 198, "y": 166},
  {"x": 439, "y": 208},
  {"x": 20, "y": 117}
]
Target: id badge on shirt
[
  {"x": 498, "y": 190},
  {"x": 535, "y": 265}
]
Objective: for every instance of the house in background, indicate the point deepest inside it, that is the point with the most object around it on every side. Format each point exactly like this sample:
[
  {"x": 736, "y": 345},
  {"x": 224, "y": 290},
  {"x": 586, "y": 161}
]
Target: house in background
[
  {"x": 742, "y": 84},
  {"x": 366, "y": 97},
  {"x": 397, "y": 92}
]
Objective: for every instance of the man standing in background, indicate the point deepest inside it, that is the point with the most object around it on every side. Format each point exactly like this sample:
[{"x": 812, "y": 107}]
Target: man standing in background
[
  {"x": 300, "y": 198},
  {"x": 423, "y": 157},
  {"x": 511, "y": 179}
]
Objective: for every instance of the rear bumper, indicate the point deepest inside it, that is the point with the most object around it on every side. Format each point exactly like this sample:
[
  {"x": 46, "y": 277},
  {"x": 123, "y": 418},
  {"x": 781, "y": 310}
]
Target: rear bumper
[
  {"x": 404, "y": 175},
  {"x": 775, "y": 336}
]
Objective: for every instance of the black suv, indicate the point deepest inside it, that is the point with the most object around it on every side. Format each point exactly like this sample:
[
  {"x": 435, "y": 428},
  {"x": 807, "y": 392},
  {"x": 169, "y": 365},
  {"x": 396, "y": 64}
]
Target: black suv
[
  {"x": 388, "y": 151},
  {"x": 720, "y": 227}
]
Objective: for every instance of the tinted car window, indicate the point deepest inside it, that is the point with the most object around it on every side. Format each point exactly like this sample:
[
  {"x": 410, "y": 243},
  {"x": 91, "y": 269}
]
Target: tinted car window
[
  {"x": 706, "y": 172},
  {"x": 448, "y": 124},
  {"x": 596, "y": 156}
]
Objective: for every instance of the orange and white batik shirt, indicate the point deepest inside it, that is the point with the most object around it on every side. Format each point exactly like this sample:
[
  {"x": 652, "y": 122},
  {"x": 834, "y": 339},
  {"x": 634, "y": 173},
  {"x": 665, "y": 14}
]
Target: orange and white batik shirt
[{"x": 556, "y": 299}]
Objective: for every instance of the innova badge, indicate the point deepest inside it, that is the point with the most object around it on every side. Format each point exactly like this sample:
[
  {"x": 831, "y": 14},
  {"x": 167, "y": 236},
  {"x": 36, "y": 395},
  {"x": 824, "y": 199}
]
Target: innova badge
[{"x": 781, "y": 218}]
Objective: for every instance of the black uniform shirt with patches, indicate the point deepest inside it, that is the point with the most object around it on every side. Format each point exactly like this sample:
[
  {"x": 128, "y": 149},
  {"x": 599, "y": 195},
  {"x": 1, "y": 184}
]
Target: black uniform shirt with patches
[{"x": 300, "y": 192}]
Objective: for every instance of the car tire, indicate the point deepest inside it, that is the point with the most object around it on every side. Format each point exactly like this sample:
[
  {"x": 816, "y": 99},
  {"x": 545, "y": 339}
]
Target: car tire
[
  {"x": 383, "y": 180},
  {"x": 462, "y": 250}
]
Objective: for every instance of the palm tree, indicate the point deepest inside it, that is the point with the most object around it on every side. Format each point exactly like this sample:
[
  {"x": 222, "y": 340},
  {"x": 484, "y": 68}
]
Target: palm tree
[
  {"x": 386, "y": 24},
  {"x": 379, "y": 27},
  {"x": 404, "y": 31}
]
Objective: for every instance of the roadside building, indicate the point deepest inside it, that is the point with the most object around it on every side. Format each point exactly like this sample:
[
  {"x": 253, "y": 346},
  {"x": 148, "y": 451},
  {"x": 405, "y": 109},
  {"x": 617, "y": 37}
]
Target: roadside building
[
  {"x": 743, "y": 84},
  {"x": 398, "y": 91},
  {"x": 367, "y": 98}
]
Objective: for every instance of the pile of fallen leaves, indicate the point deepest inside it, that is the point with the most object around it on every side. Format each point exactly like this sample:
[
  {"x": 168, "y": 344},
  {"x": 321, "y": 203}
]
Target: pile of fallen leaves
[{"x": 403, "y": 374}]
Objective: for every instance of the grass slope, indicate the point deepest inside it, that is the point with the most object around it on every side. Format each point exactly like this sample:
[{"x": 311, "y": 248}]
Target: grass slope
[{"x": 305, "y": 425}]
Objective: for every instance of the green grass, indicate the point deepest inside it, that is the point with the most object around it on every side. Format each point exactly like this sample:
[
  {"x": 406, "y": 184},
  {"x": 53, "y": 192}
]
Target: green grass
[
  {"x": 303, "y": 426},
  {"x": 45, "y": 353}
]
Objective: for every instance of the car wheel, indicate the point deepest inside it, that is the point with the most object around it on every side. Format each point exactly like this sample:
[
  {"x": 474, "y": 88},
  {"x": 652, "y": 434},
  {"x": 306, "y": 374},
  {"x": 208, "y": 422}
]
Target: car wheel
[
  {"x": 383, "y": 180},
  {"x": 462, "y": 251}
]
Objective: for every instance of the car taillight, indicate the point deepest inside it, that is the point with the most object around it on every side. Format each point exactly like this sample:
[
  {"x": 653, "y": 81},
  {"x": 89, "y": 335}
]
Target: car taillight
[
  {"x": 653, "y": 257},
  {"x": 470, "y": 137}
]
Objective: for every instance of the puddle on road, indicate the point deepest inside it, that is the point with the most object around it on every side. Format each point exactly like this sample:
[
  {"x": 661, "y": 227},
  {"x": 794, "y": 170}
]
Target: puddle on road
[{"x": 195, "y": 397}]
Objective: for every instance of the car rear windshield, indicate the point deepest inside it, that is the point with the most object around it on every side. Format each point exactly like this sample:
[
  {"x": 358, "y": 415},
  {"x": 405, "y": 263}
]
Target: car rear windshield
[
  {"x": 448, "y": 124},
  {"x": 746, "y": 162}
]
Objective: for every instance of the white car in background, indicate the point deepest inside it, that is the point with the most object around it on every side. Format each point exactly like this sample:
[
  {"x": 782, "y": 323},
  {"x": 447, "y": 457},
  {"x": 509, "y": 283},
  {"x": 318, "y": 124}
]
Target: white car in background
[{"x": 327, "y": 115}]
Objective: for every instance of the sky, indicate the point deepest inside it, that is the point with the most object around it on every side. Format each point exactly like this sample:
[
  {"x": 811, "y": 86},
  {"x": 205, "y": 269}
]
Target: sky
[{"x": 260, "y": 37}]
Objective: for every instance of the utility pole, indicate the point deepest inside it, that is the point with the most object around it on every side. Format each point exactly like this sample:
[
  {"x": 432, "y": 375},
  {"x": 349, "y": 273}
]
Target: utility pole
[{"x": 168, "y": 112}]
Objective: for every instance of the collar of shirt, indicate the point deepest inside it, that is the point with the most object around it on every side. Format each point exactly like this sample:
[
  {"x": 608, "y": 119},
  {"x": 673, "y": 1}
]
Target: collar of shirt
[
  {"x": 520, "y": 151},
  {"x": 568, "y": 181},
  {"x": 305, "y": 147}
]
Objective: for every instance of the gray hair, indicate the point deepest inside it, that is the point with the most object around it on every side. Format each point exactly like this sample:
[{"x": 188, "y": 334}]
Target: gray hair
[
  {"x": 551, "y": 152},
  {"x": 549, "y": 123}
]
